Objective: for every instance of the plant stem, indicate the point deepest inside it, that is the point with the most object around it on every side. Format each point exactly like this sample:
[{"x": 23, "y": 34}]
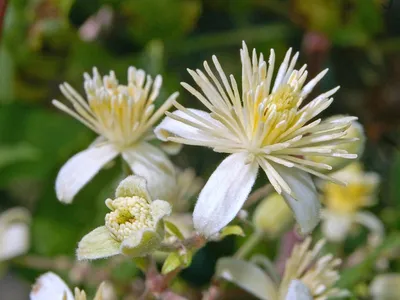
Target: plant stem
[{"x": 251, "y": 242}]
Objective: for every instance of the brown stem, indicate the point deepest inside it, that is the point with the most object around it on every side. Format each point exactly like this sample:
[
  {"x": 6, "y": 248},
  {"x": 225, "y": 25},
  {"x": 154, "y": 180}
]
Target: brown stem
[{"x": 258, "y": 194}]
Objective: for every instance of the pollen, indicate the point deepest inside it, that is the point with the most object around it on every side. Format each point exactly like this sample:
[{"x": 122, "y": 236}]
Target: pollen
[{"x": 129, "y": 214}]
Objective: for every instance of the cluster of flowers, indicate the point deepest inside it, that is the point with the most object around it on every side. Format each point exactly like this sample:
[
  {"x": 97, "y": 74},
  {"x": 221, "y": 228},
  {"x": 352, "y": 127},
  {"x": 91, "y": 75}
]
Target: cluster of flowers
[{"x": 269, "y": 124}]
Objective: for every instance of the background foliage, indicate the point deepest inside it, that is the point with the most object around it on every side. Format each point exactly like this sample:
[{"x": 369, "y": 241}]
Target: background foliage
[{"x": 47, "y": 42}]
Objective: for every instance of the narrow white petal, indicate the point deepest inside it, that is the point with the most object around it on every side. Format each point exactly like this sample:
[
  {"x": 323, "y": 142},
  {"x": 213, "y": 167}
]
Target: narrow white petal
[
  {"x": 370, "y": 221},
  {"x": 248, "y": 276},
  {"x": 170, "y": 127},
  {"x": 224, "y": 194},
  {"x": 151, "y": 163},
  {"x": 336, "y": 227},
  {"x": 80, "y": 168},
  {"x": 304, "y": 199},
  {"x": 14, "y": 240},
  {"x": 298, "y": 291},
  {"x": 50, "y": 286}
]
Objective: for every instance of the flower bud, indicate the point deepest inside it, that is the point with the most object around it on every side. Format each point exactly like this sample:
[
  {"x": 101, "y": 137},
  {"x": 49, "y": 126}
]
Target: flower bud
[
  {"x": 14, "y": 232},
  {"x": 385, "y": 287},
  {"x": 272, "y": 215},
  {"x": 134, "y": 226},
  {"x": 356, "y": 132}
]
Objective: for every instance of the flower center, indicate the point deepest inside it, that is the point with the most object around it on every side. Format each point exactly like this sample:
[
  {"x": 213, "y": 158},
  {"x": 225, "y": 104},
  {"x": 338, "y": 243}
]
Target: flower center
[
  {"x": 128, "y": 215},
  {"x": 347, "y": 199}
]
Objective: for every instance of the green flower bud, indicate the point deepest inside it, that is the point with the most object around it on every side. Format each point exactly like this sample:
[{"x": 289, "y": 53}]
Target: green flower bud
[
  {"x": 355, "y": 134},
  {"x": 272, "y": 216},
  {"x": 134, "y": 227}
]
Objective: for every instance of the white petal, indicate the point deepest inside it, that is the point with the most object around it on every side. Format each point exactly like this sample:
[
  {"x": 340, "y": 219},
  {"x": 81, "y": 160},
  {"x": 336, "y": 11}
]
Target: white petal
[
  {"x": 248, "y": 276},
  {"x": 336, "y": 227},
  {"x": 170, "y": 127},
  {"x": 151, "y": 163},
  {"x": 50, "y": 286},
  {"x": 80, "y": 168},
  {"x": 370, "y": 221},
  {"x": 304, "y": 202},
  {"x": 298, "y": 291},
  {"x": 224, "y": 194},
  {"x": 14, "y": 240}
]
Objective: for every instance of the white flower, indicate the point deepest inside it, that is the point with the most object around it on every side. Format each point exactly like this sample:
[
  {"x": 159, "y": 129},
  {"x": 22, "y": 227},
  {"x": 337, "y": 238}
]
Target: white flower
[
  {"x": 343, "y": 204},
  {"x": 134, "y": 226},
  {"x": 307, "y": 276},
  {"x": 123, "y": 117},
  {"x": 266, "y": 126},
  {"x": 50, "y": 286},
  {"x": 385, "y": 287},
  {"x": 14, "y": 232}
]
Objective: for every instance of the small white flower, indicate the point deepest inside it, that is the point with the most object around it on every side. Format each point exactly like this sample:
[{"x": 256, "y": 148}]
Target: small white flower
[
  {"x": 123, "y": 117},
  {"x": 343, "y": 204},
  {"x": 385, "y": 287},
  {"x": 14, "y": 232},
  {"x": 134, "y": 226},
  {"x": 50, "y": 286},
  {"x": 307, "y": 276},
  {"x": 266, "y": 126}
]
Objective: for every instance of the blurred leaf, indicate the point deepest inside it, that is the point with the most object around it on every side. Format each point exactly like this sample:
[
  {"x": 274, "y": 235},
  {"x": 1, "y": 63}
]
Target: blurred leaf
[
  {"x": 16, "y": 153},
  {"x": 172, "y": 262},
  {"x": 171, "y": 228},
  {"x": 6, "y": 75},
  {"x": 232, "y": 230},
  {"x": 363, "y": 271}
]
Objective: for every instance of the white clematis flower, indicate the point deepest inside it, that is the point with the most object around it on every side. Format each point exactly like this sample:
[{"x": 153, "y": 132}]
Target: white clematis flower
[
  {"x": 385, "y": 287},
  {"x": 14, "y": 232},
  {"x": 123, "y": 117},
  {"x": 50, "y": 286},
  {"x": 343, "y": 204},
  {"x": 134, "y": 227},
  {"x": 307, "y": 276},
  {"x": 265, "y": 126}
]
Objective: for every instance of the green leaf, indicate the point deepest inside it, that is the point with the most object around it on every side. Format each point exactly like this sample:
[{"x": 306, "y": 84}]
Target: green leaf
[
  {"x": 186, "y": 258},
  {"x": 16, "y": 153},
  {"x": 172, "y": 229},
  {"x": 351, "y": 276},
  {"x": 232, "y": 230},
  {"x": 172, "y": 262},
  {"x": 142, "y": 262}
]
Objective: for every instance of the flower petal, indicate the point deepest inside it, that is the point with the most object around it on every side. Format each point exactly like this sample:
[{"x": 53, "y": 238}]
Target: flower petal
[
  {"x": 248, "y": 276},
  {"x": 304, "y": 202},
  {"x": 224, "y": 194},
  {"x": 14, "y": 240},
  {"x": 50, "y": 286},
  {"x": 133, "y": 186},
  {"x": 151, "y": 163},
  {"x": 141, "y": 243},
  {"x": 97, "y": 244},
  {"x": 370, "y": 221},
  {"x": 160, "y": 209},
  {"x": 336, "y": 227},
  {"x": 80, "y": 168},
  {"x": 171, "y": 127},
  {"x": 298, "y": 291}
]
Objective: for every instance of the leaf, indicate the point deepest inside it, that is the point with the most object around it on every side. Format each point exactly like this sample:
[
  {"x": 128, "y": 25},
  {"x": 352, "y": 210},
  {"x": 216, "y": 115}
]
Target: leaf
[
  {"x": 172, "y": 262},
  {"x": 351, "y": 276},
  {"x": 187, "y": 258},
  {"x": 172, "y": 229},
  {"x": 232, "y": 230},
  {"x": 16, "y": 153}
]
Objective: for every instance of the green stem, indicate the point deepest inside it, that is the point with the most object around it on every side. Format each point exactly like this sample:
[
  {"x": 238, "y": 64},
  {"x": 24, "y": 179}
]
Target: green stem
[{"x": 251, "y": 242}]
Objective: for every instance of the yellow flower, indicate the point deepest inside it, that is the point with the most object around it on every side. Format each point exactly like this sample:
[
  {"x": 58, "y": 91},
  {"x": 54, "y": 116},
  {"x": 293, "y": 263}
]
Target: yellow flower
[
  {"x": 50, "y": 286},
  {"x": 123, "y": 116},
  {"x": 267, "y": 125},
  {"x": 343, "y": 204}
]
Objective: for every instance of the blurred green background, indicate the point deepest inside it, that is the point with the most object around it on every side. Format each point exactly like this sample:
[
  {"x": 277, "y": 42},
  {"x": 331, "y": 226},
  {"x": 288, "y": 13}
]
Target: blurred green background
[{"x": 47, "y": 42}]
